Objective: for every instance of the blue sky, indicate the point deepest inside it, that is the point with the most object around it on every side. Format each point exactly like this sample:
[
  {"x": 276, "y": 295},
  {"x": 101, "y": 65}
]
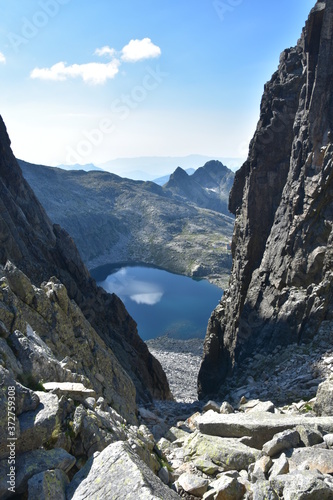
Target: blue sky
[{"x": 148, "y": 78}]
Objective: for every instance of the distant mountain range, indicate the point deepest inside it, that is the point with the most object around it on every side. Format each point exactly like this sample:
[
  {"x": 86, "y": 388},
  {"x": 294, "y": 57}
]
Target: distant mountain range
[
  {"x": 183, "y": 227},
  {"x": 153, "y": 168},
  {"x": 148, "y": 168}
]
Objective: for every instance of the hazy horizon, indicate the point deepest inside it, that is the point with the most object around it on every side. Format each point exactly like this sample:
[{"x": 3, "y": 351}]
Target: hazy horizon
[{"x": 86, "y": 83}]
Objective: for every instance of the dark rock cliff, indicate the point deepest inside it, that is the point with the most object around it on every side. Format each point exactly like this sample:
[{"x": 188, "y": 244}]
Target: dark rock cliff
[
  {"x": 280, "y": 289},
  {"x": 40, "y": 250}
]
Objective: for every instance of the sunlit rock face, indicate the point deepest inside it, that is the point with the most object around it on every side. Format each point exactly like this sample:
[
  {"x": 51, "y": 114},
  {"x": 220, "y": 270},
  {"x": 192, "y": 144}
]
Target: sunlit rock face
[
  {"x": 281, "y": 284},
  {"x": 41, "y": 250}
]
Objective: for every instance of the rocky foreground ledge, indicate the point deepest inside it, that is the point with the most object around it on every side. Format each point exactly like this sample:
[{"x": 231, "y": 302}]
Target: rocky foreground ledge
[{"x": 76, "y": 439}]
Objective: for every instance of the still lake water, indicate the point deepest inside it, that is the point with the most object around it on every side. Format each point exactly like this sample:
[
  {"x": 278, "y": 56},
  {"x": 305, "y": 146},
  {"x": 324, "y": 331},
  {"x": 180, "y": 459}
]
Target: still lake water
[{"x": 160, "y": 302}]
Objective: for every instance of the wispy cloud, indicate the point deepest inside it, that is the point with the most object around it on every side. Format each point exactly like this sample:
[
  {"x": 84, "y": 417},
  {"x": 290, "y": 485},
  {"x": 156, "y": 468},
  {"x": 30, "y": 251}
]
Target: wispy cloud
[
  {"x": 98, "y": 73},
  {"x": 105, "y": 51},
  {"x": 2, "y": 58},
  {"x": 93, "y": 73},
  {"x": 138, "y": 50}
]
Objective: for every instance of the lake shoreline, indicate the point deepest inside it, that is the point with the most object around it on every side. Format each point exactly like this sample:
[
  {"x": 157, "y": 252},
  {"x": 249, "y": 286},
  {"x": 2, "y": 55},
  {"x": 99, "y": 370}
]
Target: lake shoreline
[
  {"x": 99, "y": 272},
  {"x": 161, "y": 302}
]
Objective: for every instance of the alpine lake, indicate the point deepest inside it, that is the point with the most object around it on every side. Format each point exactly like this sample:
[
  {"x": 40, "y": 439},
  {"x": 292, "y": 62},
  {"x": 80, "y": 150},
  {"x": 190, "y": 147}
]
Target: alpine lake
[{"x": 160, "y": 302}]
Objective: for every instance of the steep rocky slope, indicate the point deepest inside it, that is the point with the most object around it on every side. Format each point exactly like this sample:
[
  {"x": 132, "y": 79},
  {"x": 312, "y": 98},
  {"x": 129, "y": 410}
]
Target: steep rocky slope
[
  {"x": 120, "y": 220},
  {"x": 280, "y": 289},
  {"x": 41, "y": 250}
]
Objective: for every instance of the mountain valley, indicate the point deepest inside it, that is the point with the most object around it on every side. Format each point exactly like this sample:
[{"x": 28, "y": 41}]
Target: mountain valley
[
  {"x": 87, "y": 409},
  {"x": 183, "y": 226}
]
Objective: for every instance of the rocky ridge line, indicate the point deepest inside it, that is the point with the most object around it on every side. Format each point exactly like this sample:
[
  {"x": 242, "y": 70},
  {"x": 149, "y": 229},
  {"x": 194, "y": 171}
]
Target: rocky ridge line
[{"x": 280, "y": 290}]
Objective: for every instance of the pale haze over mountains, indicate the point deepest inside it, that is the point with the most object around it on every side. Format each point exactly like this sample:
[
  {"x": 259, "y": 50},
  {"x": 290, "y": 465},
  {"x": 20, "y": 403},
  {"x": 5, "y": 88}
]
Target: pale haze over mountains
[
  {"x": 94, "y": 81},
  {"x": 154, "y": 168}
]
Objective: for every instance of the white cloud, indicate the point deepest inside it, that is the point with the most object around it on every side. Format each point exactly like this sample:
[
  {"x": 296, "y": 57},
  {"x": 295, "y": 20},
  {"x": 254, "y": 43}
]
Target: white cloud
[
  {"x": 94, "y": 73},
  {"x": 138, "y": 50},
  {"x": 2, "y": 58},
  {"x": 99, "y": 73},
  {"x": 105, "y": 51}
]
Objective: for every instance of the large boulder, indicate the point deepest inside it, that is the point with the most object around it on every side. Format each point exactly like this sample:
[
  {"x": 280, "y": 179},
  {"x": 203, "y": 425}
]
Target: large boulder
[
  {"x": 31, "y": 463},
  {"x": 48, "y": 485},
  {"x": 303, "y": 485},
  {"x": 228, "y": 453},
  {"x": 324, "y": 399},
  {"x": 117, "y": 472},
  {"x": 41, "y": 425},
  {"x": 311, "y": 459}
]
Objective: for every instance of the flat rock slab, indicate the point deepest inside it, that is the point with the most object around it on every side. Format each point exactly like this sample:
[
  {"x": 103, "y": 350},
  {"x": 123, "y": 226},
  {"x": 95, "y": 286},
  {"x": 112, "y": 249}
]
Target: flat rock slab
[
  {"x": 260, "y": 427},
  {"x": 117, "y": 472},
  {"x": 75, "y": 391},
  {"x": 228, "y": 453}
]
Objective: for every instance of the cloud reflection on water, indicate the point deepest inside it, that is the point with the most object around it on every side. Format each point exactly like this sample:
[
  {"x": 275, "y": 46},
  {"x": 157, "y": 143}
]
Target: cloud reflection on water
[{"x": 141, "y": 292}]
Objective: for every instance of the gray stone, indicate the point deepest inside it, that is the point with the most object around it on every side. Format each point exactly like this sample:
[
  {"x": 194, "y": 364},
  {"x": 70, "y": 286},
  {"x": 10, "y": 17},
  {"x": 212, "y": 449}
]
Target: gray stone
[
  {"x": 261, "y": 468},
  {"x": 192, "y": 484},
  {"x": 328, "y": 438},
  {"x": 41, "y": 425},
  {"x": 309, "y": 436},
  {"x": 94, "y": 431},
  {"x": 226, "y": 408},
  {"x": 265, "y": 406},
  {"x": 75, "y": 391},
  {"x": 281, "y": 442},
  {"x": 260, "y": 427},
  {"x": 255, "y": 405},
  {"x": 280, "y": 466},
  {"x": 303, "y": 485},
  {"x": 312, "y": 459},
  {"x": 229, "y": 454},
  {"x": 163, "y": 474},
  {"x": 8, "y": 358},
  {"x": 206, "y": 466},
  {"x": 176, "y": 434},
  {"x": 31, "y": 463},
  {"x": 211, "y": 405},
  {"x": 324, "y": 399},
  {"x": 117, "y": 472},
  {"x": 264, "y": 490},
  {"x": 90, "y": 403},
  {"x": 4, "y": 332},
  {"x": 228, "y": 488},
  {"x": 48, "y": 485}
]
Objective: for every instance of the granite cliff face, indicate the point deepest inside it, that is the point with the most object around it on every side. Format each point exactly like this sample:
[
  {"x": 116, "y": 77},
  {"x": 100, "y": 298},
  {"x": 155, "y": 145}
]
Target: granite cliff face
[
  {"x": 41, "y": 250},
  {"x": 280, "y": 289}
]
